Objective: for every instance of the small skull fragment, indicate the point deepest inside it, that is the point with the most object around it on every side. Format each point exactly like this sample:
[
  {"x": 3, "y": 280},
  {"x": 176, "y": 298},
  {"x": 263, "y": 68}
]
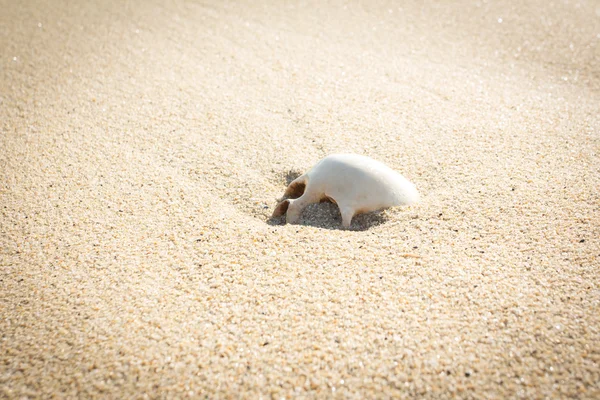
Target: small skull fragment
[{"x": 357, "y": 184}]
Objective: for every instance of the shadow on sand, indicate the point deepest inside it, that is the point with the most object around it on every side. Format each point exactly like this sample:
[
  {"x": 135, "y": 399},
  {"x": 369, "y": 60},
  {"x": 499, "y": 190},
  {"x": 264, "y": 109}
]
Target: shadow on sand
[{"x": 327, "y": 216}]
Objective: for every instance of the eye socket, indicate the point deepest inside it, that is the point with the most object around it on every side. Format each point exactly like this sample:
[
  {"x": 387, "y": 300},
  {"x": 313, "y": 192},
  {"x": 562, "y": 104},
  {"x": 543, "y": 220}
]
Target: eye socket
[
  {"x": 281, "y": 208},
  {"x": 295, "y": 190}
]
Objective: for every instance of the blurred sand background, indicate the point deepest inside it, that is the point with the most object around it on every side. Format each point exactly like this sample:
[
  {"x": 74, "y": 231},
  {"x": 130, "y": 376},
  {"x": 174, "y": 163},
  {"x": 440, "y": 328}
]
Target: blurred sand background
[{"x": 143, "y": 145}]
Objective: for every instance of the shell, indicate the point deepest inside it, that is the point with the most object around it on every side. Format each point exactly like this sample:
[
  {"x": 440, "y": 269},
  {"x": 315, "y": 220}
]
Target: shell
[{"x": 357, "y": 184}]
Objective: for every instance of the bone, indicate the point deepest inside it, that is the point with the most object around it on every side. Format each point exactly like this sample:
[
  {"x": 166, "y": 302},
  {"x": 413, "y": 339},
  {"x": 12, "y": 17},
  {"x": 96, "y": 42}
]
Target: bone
[{"x": 357, "y": 184}]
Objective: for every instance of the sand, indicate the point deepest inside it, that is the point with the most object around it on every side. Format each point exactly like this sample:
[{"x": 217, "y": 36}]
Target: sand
[{"x": 143, "y": 146}]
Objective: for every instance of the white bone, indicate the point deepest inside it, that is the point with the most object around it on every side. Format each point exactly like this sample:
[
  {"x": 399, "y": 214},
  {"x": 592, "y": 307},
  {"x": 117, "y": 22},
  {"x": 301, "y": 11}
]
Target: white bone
[{"x": 357, "y": 184}]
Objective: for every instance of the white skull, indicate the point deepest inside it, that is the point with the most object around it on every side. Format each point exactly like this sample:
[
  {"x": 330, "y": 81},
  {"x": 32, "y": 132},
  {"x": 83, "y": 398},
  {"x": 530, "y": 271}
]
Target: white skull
[{"x": 357, "y": 184}]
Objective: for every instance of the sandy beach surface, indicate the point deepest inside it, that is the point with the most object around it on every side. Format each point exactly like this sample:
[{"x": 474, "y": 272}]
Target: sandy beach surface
[{"x": 143, "y": 145}]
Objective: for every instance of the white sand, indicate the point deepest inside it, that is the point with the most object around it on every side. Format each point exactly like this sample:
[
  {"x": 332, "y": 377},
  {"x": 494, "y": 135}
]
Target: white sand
[{"x": 143, "y": 145}]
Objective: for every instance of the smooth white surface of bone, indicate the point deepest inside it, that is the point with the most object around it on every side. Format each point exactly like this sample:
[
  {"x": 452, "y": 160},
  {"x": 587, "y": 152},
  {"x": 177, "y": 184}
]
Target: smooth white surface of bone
[{"x": 357, "y": 184}]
